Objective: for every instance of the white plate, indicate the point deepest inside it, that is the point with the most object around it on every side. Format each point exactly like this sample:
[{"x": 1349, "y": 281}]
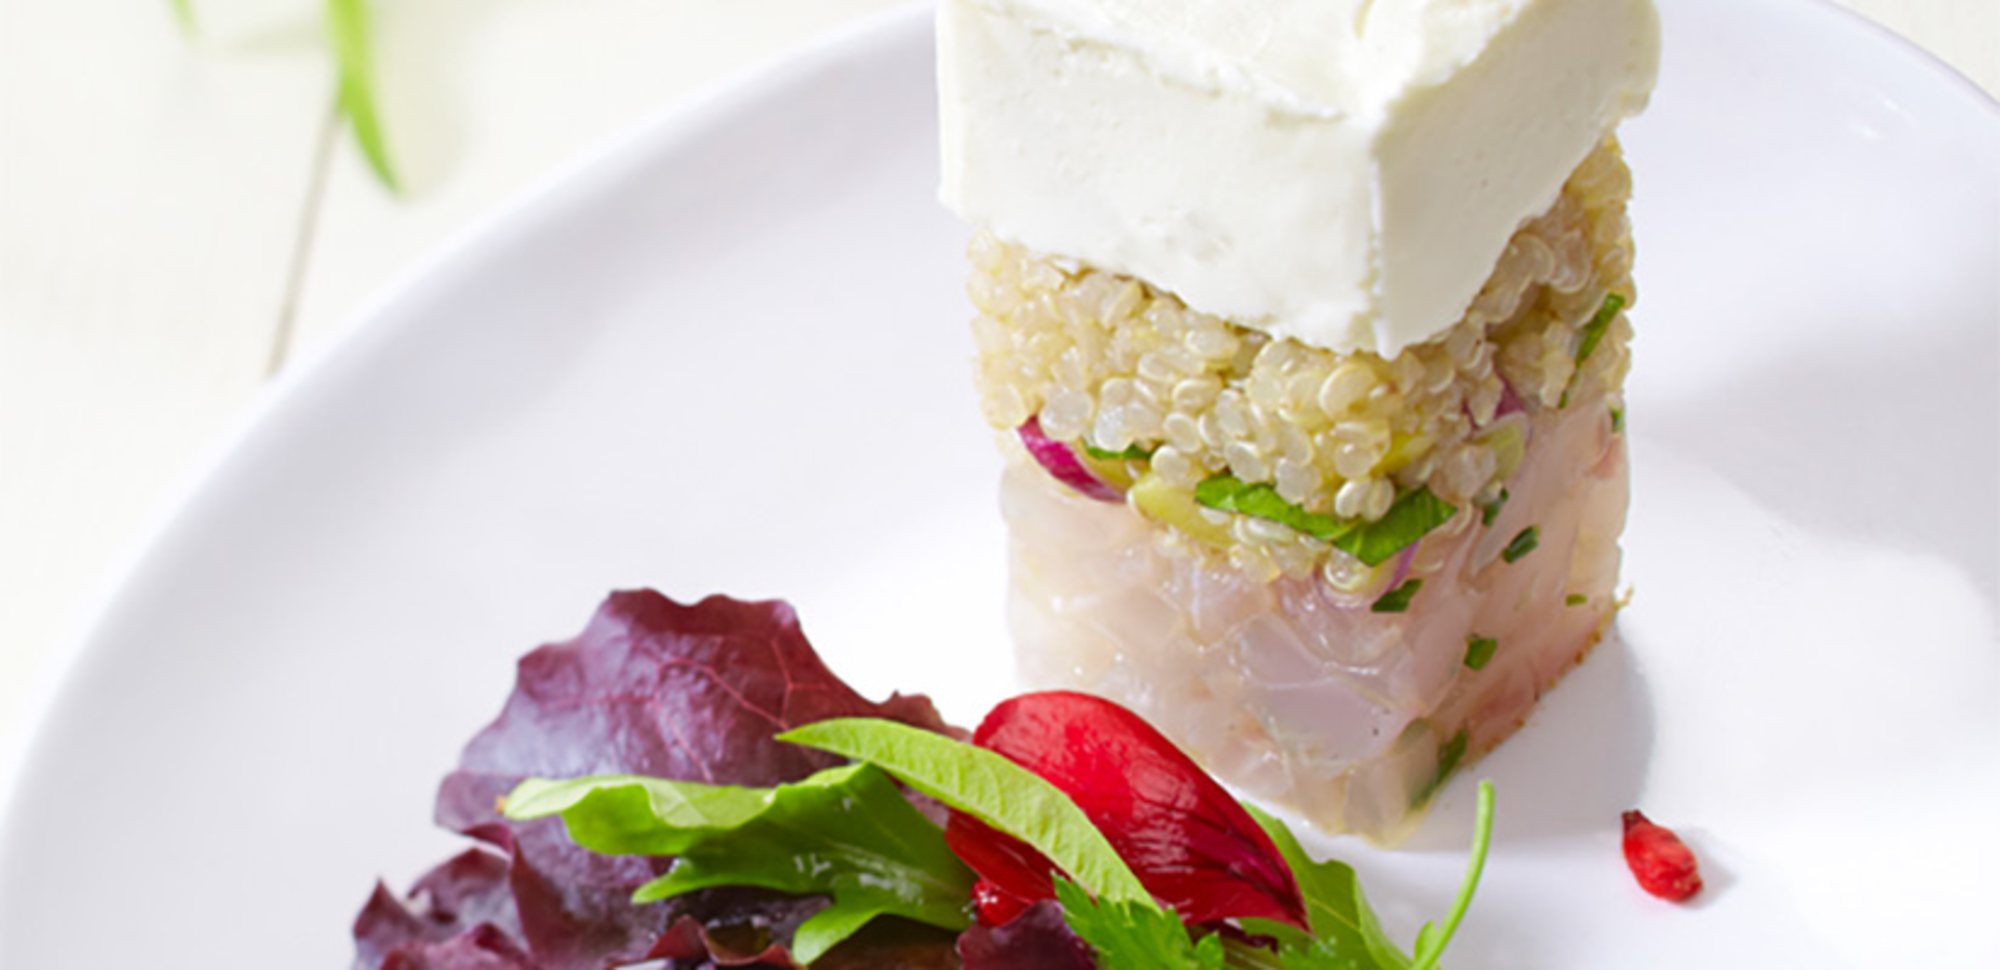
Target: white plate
[{"x": 729, "y": 354}]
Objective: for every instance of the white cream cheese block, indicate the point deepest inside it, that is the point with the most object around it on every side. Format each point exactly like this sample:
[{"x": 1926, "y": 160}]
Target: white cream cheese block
[{"x": 1341, "y": 172}]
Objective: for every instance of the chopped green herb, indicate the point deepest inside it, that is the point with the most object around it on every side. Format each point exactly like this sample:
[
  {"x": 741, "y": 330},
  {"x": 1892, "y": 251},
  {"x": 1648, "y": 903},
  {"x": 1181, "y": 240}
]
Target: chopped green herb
[
  {"x": 1491, "y": 510},
  {"x": 1617, "y": 420},
  {"x": 1414, "y": 514},
  {"x": 1593, "y": 332},
  {"x": 1479, "y": 650},
  {"x": 1575, "y": 599},
  {"x": 1522, "y": 544},
  {"x": 845, "y": 832},
  {"x": 1449, "y": 755},
  {"x": 1133, "y": 453},
  {"x": 1398, "y": 600}
]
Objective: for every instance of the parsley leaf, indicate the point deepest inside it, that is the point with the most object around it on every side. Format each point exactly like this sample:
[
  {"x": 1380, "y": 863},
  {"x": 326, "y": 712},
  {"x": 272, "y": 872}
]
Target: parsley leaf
[
  {"x": 845, "y": 832},
  {"x": 1130, "y": 936},
  {"x": 1397, "y": 600},
  {"x": 987, "y": 787},
  {"x": 1479, "y": 651},
  {"x": 1522, "y": 544}
]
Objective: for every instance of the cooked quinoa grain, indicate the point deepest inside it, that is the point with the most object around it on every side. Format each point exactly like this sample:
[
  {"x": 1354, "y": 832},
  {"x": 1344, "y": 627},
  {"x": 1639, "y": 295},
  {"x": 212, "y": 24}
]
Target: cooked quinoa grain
[{"x": 1106, "y": 361}]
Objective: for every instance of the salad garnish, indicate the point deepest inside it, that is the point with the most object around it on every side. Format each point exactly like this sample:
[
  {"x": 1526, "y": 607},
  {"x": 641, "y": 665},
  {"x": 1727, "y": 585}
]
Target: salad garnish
[{"x": 725, "y": 801}]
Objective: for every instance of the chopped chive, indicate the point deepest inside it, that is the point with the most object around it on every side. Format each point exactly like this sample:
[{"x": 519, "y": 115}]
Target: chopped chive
[
  {"x": 1575, "y": 599},
  {"x": 1133, "y": 453},
  {"x": 1398, "y": 600},
  {"x": 1449, "y": 755},
  {"x": 1491, "y": 510},
  {"x": 1593, "y": 332},
  {"x": 1522, "y": 544},
  {"x": 1617, "y": 420},
  {"x": 1479, "y": 650}
]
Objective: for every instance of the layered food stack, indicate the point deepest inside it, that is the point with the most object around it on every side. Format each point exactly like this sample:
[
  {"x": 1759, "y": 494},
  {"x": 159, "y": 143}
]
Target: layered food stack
[{"x": 1305, "y": 321}]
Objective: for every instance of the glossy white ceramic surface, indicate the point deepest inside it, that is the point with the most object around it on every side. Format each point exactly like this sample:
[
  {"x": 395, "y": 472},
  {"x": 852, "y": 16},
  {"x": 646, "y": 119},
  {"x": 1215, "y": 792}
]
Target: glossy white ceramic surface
[{"x": 729, "y": 354}]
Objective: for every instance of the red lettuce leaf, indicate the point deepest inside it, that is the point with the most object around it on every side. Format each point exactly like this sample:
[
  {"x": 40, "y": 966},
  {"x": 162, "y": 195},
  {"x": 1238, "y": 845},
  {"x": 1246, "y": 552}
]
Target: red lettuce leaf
[
  {"x": 650, "y": 687},
  {"x": 484, "y": 947},
  {"x": 1188, "y": 841},
  {"x": 1038, "y": 938},
  {"x": 462, "y": 895}
]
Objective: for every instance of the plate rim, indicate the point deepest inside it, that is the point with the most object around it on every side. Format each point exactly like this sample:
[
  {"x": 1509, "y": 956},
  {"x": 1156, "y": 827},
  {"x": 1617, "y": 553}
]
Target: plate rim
[{"x": 371, "y": 323}]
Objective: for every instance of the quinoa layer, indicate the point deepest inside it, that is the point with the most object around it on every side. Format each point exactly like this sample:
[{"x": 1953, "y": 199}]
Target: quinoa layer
[{"x": 1163, "y": 399}]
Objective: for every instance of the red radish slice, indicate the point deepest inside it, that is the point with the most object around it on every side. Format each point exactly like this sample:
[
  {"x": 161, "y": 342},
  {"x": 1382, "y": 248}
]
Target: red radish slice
[{"x": 1190, "y": 843}]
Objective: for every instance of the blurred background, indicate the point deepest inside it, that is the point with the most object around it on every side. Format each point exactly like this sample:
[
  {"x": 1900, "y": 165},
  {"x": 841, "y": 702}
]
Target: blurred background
[{"x": 183, "y": 215}]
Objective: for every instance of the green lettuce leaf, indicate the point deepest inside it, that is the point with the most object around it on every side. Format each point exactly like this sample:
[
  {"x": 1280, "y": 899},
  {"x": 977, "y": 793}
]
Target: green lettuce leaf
[
  {"x": 990, "y": 788},
  {"x": 845, "y": 832},
  {"x": 1131, "y": 936}
]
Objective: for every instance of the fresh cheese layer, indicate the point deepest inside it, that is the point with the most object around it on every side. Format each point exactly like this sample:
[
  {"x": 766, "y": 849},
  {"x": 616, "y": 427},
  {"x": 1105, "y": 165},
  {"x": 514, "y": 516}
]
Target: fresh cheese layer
[{"x": 1342, "y": 172}]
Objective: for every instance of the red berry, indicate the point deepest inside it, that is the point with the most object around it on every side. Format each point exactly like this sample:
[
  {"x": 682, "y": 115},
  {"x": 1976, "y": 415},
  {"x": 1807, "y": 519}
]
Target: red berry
[{"x": 1661, "y": 862}]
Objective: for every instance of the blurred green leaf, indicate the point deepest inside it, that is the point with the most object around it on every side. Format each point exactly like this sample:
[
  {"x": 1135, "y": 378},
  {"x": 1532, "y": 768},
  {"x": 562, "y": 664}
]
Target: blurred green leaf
[
  {"x": 347, "y": 27},
  {"x": 184, "y": 14}
]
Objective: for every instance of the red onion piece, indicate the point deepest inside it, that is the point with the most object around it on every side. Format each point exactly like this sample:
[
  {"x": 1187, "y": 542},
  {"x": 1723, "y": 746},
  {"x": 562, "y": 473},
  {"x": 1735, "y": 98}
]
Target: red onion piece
[
  {"x": 1510, "y": 402},
  {"x": 1060, "y": 460}
]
